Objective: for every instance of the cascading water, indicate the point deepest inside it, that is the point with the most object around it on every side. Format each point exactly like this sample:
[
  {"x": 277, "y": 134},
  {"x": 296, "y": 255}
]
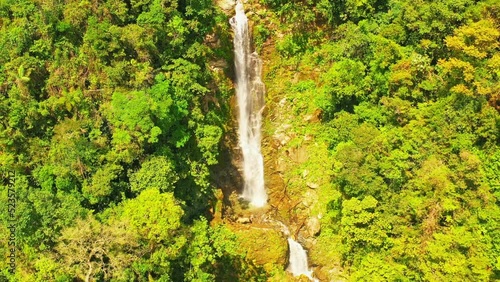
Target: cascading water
[
  {"x": 297, "y": 264},
  {"x": 298, "y": 260},
  {"x": 250, "y": 96}
]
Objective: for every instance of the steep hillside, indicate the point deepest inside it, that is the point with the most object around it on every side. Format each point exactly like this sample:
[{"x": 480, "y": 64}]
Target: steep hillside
[
  {"x": 382, "y": 135},
  {"x": 119, "y": 154}
]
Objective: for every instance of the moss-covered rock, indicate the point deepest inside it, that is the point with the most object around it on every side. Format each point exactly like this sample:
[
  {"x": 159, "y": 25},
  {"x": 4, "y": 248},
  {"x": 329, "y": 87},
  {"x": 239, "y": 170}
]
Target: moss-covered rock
[{"x": 264, "y": 246}]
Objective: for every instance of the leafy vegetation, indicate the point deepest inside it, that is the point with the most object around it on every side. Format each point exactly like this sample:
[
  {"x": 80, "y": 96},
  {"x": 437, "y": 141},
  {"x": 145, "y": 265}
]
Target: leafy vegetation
[
  {"x": 111, "y": 126},
  {"x": 385, "y": 115},
  {"x": 408, "y": 93}
]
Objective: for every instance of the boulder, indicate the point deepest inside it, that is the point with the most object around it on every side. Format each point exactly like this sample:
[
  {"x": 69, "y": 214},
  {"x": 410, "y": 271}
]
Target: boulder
[
  {"x": 226, "y": 5},
  {"x": 265, "y": 246},
  {"x": 309, "y": 198},
  {"x": 281, "y": 139},
  {"x": 244, "y": 220},
  {"x": 218, "y": 64},
  {"x": 281, "y": 165},
  {"x": 313, "y": 226},
  {"x": 312, "y": 185}
]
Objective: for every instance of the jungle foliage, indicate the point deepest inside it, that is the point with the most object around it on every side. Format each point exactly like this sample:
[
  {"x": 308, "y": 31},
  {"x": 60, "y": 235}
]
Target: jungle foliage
[
  {"x": 409, "y": 94},
  {"x": 112, "y": 120},
  {"x": 111, "y": 125}
]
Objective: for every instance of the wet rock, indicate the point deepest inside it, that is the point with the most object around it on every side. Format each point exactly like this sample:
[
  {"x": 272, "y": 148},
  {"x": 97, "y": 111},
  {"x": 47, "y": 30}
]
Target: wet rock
[
  {"x": 320, "y": 274},
  {"x": 302, "y": 278},
  {"x": 309, "y": 243}
]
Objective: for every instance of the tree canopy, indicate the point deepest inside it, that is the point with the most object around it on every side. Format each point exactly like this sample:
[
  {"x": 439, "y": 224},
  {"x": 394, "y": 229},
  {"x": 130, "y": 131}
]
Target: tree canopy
[{"x": 115, "y": 120}]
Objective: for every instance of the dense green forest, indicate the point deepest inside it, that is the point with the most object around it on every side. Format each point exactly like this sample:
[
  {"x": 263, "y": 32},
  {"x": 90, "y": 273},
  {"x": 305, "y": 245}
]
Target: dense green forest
[{"x": 116, "y": 122}]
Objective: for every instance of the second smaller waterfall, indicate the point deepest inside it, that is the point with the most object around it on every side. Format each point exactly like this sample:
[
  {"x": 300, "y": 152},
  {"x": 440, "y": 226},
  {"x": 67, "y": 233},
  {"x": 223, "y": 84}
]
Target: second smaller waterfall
[{"x": 298, "y": 260}]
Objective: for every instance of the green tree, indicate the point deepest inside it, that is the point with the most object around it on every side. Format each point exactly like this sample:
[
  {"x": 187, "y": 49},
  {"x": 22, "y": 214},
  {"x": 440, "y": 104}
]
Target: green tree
[
  {"x": 91, "y": 250},
  {"x": 157, "y": 172}
]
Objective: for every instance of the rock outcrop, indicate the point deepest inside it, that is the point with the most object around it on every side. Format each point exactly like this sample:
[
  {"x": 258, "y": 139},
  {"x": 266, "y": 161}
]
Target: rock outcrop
[{"x": 267, "y": 247}]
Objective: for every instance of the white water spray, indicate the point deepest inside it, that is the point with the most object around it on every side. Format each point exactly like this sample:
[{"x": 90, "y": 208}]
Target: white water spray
[
  {"x": 297, "y": 264},
  {"x": 250, "y": 94},
  {"x": 298, "y": 260}
]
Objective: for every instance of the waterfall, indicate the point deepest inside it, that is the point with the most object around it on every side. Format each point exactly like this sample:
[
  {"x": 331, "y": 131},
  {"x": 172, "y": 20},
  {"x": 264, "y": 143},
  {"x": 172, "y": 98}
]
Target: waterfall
[
  {"x": 250, "y": 95},
  {"x": 298, "y": 260}
]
